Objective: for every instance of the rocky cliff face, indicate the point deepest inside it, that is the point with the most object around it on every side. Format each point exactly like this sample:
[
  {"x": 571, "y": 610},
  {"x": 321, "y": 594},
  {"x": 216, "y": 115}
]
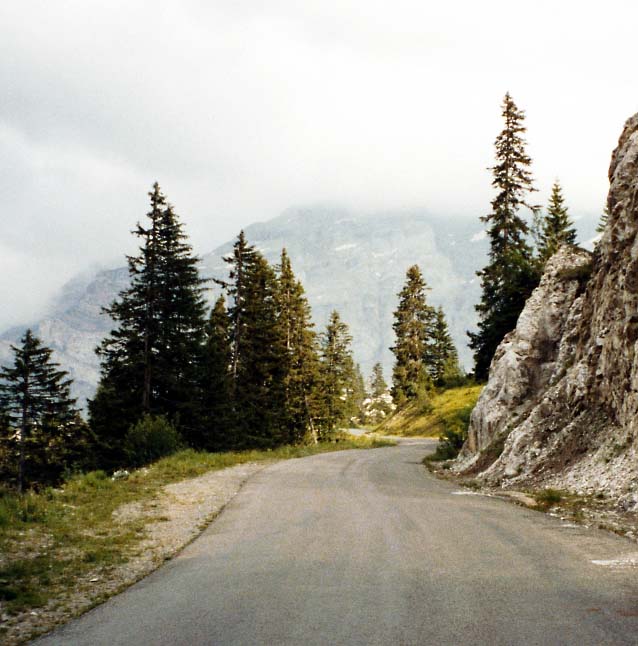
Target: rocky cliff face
[{"x": 561, "y": 404}]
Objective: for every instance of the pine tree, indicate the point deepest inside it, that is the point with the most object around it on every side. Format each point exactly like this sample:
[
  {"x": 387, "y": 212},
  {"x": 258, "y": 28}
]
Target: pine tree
[
  {"x": 259, "y": 360},
  {"x": 336, "y": 373},
  {"x": 356, "y": 394},
  {"x": 257, "y": 350},
  {"x": 152, "y": 360},
  {"x": 443, "y": 365},
  {"x": 412, "y": 320},
  {"x": 241, "y": 263},
  {"x": 9, "y": 451},
  {"x": 557, "y": 228},
  {"x": 378, "y": 384},
  {"x": 511, "y": 273},
  {"x": 216, "y": 385},
  {"x": 37, "y": 407},
  {"x": 182, "y": 315},
  {"x": 602, "y": 223},
  {"x": 301, "y": 354}
]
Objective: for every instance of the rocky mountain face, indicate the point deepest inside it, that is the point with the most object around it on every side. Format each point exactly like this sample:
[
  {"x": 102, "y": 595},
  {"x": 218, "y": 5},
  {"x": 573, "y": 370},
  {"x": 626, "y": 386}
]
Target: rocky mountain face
[
  {"x": 75, "y": 327},
  {"x": 561, "y": 405},
  {"x": 351, "y": 263}
]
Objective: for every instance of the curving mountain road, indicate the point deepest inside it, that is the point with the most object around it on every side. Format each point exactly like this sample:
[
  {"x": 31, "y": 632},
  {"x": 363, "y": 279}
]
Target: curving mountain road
[{"x": 365, "y": 547}]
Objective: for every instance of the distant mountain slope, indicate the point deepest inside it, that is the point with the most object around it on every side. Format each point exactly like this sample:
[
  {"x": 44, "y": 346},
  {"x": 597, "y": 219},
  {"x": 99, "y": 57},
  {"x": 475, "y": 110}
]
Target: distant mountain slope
[
  {"x": 355, "y": 264},
  {"x": 75, "y": 327}
]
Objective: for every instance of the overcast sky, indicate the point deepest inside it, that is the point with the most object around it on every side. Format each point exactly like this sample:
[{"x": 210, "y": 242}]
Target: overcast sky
[{"x": 242, "y": 108}]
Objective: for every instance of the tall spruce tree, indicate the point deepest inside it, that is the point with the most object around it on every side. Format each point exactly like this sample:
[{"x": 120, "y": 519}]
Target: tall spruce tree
[
  {"x": 301, "y": 361},
  {"x": 38, "y": 413},
  {"x": 511, "y": 273},
  {"x": 182, "y": 316},
  {"x": 151, "y": 362},
  {"x": 412, "y": 321},
  {"x": 258, "y": 358},
  {"x": 242, "y": 262},
  {"x": 378, "y": 385},
  {"x": 216, "y": 385},
  {"x": 336, "y": 374},
  {"x": 357, "y": 393},
  {"x": 443, "y": 364},
  {"x": 558, "y": 228}
]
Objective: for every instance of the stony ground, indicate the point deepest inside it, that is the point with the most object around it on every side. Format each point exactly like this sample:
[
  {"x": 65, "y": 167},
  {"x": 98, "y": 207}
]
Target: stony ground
[
  {"x": 172, "y": 520},
  {"x": 589, "y": 508}
]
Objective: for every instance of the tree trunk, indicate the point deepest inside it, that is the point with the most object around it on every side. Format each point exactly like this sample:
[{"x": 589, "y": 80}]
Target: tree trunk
[
  {"x": 146, "y": 393},
  {"x": 23, "y": 432},
  {"x": 313, "y": 430}
]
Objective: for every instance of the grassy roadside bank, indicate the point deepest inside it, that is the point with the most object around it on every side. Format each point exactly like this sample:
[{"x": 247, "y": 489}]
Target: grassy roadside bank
[
  {"x": 53, "y": 540},
  {"x": 445, "y": 411}
]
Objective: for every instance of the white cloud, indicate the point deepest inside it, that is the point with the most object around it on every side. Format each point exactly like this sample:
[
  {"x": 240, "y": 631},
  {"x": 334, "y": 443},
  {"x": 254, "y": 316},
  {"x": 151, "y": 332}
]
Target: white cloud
[{"x": 242, "y": 108}]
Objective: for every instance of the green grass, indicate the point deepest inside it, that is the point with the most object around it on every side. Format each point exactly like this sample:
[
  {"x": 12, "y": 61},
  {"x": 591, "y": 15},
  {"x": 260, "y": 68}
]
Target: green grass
[
  {"x": 546, "y": 498},
  {"x": 51, "y": 538},
  {"x": 448, "y": 410}
]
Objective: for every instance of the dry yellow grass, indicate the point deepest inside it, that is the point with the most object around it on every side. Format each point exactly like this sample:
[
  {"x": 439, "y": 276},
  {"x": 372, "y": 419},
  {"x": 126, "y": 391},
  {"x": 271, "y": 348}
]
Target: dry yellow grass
[{"x": 447, "y": 410}]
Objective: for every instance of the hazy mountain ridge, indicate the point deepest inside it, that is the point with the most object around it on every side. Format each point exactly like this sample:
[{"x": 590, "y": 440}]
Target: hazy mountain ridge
[{"x": 355, "y": 264}]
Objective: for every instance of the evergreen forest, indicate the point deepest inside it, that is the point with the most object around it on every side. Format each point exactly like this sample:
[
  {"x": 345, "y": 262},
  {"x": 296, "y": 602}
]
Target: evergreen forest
[{"x": 252, "y": 371}]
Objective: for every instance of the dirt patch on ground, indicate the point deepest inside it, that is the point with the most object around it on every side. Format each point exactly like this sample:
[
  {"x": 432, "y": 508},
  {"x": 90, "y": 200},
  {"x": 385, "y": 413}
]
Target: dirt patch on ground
[{"x": 171, "y": 520}]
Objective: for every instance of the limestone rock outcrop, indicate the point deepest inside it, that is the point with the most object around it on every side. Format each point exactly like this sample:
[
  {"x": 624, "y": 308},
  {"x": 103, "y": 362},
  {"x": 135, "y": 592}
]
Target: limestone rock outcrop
[
  {"x": 561, "y": 404},
  {"x": 525, "y": 362}
]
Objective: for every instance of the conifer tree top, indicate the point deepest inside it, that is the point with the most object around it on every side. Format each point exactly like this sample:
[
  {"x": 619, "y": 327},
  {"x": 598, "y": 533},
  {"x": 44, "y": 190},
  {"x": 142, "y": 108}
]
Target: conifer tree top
[
  {"x": 513, "y": 181},
  {"x": 558, "y": 228},
  {"x": 36, "y": 381}
]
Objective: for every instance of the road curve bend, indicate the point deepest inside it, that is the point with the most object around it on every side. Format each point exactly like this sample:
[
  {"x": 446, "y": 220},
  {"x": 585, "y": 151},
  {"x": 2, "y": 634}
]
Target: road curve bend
[{"x": 366, "y": 547}]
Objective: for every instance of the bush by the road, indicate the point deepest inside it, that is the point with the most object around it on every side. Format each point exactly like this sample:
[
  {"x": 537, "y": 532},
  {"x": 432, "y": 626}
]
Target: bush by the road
[{"x": 150, "y": 439}]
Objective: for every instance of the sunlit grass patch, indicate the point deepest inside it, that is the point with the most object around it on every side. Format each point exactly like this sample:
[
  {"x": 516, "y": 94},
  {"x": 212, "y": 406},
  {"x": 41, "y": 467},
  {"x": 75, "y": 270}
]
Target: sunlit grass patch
[{"x": 448, "y": 410}]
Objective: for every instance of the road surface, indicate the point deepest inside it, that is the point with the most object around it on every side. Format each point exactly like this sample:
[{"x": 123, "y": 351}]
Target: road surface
[{"x": 365, "y": 547}]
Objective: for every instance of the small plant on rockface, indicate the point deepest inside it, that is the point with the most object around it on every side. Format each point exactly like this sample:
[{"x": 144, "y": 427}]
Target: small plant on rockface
[
  {"x": 548, "y": 498},
  {"x": 496, "y": 448},
  {"x": 581, "y": 273},
  {"x": 450, "y": 443},
  {"x": 471, "y": 484},
  {"x": 453, "y": 435}
]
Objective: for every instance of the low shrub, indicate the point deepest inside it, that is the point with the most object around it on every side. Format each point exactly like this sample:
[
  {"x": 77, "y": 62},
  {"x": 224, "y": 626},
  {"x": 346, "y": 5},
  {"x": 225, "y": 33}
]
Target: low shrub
[
  {"x": 150, "y": 439},
  {"x": 450, "y": 443},
  {"x": 548, "y": 497}
]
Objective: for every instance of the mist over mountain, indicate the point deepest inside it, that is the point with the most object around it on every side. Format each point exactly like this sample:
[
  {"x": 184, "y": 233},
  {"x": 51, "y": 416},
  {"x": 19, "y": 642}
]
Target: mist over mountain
[{"x": 346, "y": 261}]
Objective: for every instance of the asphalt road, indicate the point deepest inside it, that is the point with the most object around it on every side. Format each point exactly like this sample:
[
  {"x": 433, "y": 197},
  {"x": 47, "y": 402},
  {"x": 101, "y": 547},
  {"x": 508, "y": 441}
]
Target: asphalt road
[{"x": 366, "y": 547}]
